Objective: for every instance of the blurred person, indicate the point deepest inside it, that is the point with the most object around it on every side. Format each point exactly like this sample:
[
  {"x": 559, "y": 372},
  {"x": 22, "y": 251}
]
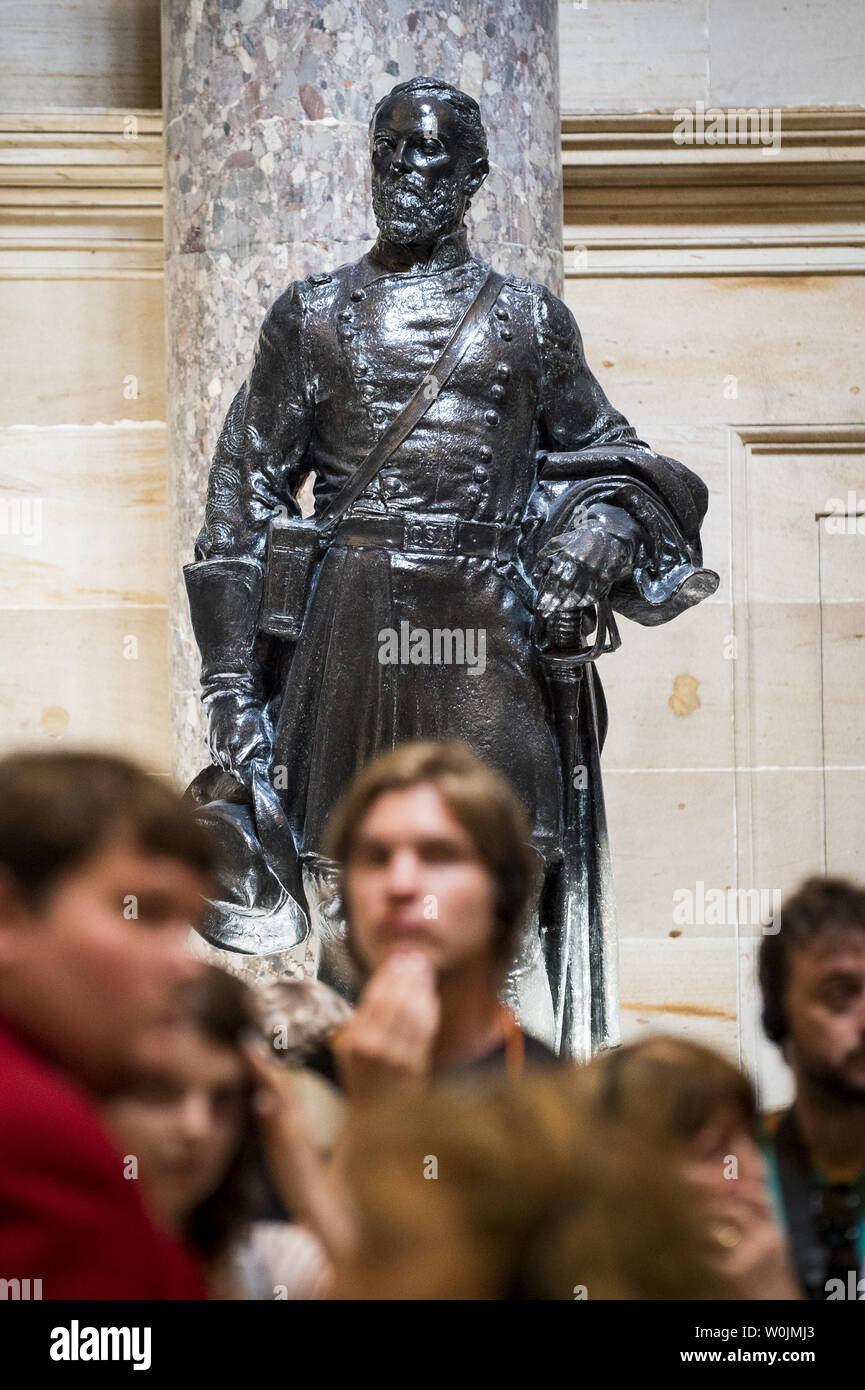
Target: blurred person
[
  {"x": 190, "y": 1125},
  {"x": 812, "y": 976},
  {"x": 690, "y": 1097},
  {"x": 436, "y": 877},
  {"x": 641, "y": 1172},
  {"x": 517, "y": 1190},
  {"x": 301, "y": 1116},
  {"x": 102, "y": 872},
  {"x": 187, "y": 1123}
]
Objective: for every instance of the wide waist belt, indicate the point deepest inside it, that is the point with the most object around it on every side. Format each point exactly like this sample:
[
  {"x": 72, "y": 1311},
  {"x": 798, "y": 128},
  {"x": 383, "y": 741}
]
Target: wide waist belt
[{"x": 431, "y": 534}]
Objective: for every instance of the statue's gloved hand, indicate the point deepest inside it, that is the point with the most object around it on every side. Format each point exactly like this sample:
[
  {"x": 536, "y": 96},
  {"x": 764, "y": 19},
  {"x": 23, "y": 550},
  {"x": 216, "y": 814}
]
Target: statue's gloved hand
[
  {"x": 580, "y": 567},
  {"x": 237, "y": 731}
]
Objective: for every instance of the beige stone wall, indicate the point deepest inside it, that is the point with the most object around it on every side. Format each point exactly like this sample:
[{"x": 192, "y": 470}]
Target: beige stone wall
[
  {"x": 79, "y": 53},
  {"x": 83, "y": 553},
  {"x": 655, "y": 55},
  {"x": 718, "y": 291}
]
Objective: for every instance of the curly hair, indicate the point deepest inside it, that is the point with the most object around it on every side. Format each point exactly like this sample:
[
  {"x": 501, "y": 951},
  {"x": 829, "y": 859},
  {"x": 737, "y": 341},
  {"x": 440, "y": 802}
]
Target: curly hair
[
  {"x": 820, "y": 907},
  {"x": 468, "y": 112}
]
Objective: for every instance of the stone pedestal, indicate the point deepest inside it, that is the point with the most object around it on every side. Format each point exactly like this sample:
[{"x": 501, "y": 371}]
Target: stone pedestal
[{"x": 297, "y": 964}]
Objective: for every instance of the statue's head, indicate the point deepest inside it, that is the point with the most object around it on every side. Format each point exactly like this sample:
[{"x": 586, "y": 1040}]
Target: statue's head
[{"x": 429, "y": 157}]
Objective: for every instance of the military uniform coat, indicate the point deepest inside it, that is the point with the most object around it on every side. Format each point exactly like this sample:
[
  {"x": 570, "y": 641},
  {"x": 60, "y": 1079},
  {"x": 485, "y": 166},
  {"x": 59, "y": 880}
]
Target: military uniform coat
[{"x": 337, "y": 358}]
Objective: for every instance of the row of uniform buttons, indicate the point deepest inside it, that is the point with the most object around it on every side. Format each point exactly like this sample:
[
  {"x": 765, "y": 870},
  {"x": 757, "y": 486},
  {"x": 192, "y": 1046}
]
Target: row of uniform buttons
[
  {"x": 346, "y": 334},
  {"x": 492, "y": 419},
  {"x": 391, "y": 485},
  {"x": 505, "y": 333},
  {"x": 345, "y": 316},
  {"x": 497, "y": 391},
  {"x": 380, "y": 417},
  {"x": 480, "y": 474}
]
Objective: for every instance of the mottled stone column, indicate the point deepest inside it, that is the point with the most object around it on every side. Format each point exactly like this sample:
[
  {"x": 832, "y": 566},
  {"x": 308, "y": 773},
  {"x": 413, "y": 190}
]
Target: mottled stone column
[{"x": 267, "y": 104}]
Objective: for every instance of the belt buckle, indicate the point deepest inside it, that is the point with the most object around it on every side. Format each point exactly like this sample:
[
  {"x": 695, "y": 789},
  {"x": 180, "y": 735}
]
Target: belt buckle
[{"x": 423, "y": 534}]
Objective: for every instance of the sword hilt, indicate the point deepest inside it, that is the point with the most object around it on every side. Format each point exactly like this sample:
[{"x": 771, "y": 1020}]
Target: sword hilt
[{"x": 606, "y": 639}]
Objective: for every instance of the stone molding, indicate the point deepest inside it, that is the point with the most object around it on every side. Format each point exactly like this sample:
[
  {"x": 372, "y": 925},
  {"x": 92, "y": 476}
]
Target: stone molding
[
  {"x": 81, "y": 196},
  {"x": 638, "y": 204}
]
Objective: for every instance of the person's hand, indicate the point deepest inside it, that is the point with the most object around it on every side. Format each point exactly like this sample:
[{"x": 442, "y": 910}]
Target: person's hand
[
  {"x": 236, "y": 733},
  {"x": 309, "y": 1186},
  {"x": 579, "y": 567},
  {"x": 388, "y": 1040},
  {"x": 747, "y": 1248}
]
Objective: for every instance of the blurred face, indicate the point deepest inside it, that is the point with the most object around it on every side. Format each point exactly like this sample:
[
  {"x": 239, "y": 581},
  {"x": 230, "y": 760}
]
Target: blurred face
[
  {"x": 420, "y": 180},
  {"x": 825, "y": 1004},
  {"x": 183, "y": 1121},
  {"x": 736, "y": 1231},
  {"x": 414, "y": 881},
  {"x": 725, "y": 1157},
  {"x": 99, "y": 975}
]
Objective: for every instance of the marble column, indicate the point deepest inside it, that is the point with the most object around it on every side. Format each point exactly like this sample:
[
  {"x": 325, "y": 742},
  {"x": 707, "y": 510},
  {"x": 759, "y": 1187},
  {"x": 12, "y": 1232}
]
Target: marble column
[{"x": 266, "y": 110}]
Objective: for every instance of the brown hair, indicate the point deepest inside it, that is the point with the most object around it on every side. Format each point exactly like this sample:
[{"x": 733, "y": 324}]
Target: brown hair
[
  {"x": 221, "y": 1010},
  {"x": 819, "y": 908},
  {"x": 671, "y": 1086},
  {"x": 536, "y": 1196},
  {"x": 59, "y": 809},
  {"x": 481, "y": 800}
]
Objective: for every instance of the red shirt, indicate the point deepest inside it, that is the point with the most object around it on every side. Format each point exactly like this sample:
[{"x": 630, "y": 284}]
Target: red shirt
[{"x": 67, "y": 1214}]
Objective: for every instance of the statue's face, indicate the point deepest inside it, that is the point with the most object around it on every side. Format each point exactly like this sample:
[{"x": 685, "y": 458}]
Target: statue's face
[{"x": 421, "y": 174}]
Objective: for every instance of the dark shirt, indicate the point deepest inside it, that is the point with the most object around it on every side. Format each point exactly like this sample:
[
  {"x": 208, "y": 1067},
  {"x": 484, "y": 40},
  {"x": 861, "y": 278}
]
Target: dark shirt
[
  {"x": 489, "y": 1064},
  {"x": 493, "y": 1063},
  {"x": 825, "y": 1221}
]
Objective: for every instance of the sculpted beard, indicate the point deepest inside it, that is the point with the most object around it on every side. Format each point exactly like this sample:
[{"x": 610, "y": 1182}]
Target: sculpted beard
[{"x": 406, "y": 210}]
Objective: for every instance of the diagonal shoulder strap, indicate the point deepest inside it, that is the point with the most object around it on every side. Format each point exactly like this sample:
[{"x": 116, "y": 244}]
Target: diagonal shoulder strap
[{"x": 400, "y": 428}]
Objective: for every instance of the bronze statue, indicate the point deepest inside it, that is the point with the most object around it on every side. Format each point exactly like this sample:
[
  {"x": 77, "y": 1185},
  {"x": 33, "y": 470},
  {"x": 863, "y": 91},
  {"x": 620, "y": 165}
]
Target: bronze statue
[{"x": 479, "y": 508}]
